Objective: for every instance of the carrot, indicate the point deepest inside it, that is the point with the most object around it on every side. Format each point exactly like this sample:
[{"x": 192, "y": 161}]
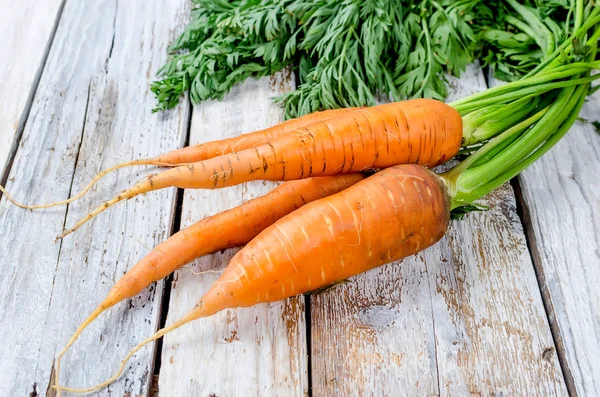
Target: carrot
[
  {"x": 392, "y": 214},
  {"x": 208, "y": 150},
  {"x": 226, "y": 229},
  {"x": 199, "y": 152},
  {"x": 419, "y": 131}
]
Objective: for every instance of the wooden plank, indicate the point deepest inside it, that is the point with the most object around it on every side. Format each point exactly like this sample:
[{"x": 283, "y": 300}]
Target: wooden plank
[
  {"x": 258, "y": 351},
  {"x": 561, "y": 203},
  {"x": 91, "y": 110},
  {"x": 464, "y": 317},
  {"x": 26, "y": 29}
]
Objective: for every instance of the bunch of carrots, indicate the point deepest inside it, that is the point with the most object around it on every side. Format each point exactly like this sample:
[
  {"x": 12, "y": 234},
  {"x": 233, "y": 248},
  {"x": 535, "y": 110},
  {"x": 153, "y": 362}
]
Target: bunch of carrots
[{"x": 360, "y": 192}]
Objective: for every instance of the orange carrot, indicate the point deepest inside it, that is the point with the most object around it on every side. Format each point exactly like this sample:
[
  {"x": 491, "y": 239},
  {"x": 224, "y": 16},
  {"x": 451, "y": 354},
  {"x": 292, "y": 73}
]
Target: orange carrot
[
  {"x": 392, "y": 214},
  {"x": 208, "y": 150},
  {"x": 226, "y": 229},
  {"x": 419, "y": 131},
  {"x": 200, "y": 152}
]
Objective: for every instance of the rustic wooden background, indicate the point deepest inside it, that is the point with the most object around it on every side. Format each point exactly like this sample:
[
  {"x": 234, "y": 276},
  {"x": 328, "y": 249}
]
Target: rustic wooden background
[{"x": 508, "y": 303}]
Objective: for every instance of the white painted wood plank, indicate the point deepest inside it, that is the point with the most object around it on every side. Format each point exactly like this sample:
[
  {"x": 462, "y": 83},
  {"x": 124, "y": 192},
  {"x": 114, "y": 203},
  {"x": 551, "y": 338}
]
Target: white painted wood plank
[
  {"x": 492, "y": 333},
  {"x": 26, "y": 29},
  {"x": 464, "y": 317},
  {"x": 561, "y": 196},
  {"x": 91, "y": 110},
  {"x": 258, "y": 351}
]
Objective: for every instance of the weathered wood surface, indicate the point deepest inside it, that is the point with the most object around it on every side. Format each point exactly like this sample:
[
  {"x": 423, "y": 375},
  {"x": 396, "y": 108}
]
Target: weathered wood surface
[
  {"x": 91, "y": 110},
  {"x": 26, "y": 30},
  {"x": 464, "y": 317},
  {"x": 561, "y": 197},
  {"x": 258, "y": 351}
]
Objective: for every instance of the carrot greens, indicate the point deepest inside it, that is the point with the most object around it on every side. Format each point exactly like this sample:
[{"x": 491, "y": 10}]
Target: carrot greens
[
  {"x": 522, "y": 120},
  {"x": 347, "y": 52}
]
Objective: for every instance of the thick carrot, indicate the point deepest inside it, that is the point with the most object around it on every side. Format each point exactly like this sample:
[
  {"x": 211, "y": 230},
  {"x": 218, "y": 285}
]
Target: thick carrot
[
  {"x": 226, "y": 229},
  {"x": 200, "y": 152},
  {"x": 419, "y": 131},
  {"x": 392, "y": 214}
]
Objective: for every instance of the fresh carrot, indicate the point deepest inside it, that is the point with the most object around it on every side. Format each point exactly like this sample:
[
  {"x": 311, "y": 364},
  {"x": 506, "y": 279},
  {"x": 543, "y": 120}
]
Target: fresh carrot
[
  {"x": 226, "y": 229},
  {"x": 200, "y": 152},
  {"x": 390, "y": 215},
  {"x": 419, "y": 131},
  {"x": 208, "y": 150}
]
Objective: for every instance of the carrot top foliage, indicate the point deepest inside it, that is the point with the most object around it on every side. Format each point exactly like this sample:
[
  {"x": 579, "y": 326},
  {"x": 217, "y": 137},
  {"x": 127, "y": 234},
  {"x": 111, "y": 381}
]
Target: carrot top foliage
[
  {"x": 510, "y": 126},
  {"x": 346, "y": 52}
]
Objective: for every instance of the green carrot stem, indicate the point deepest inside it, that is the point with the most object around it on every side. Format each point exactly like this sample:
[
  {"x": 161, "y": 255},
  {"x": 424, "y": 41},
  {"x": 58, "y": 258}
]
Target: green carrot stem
[
  {"x": 493, "y": 123},
  {"x": 453, "y": 174},
  {"x": 488, "y": 187},
  {"x": 557, "y": 73},
  {"x": 525, "y": 144},
  {"x": 579, "y": 14},
  {"x": 535, "y": 112},
  {"x": 534, "y": 27},
  {"x": 514, "y": 95},
  {"x": 592, "y": 20}
]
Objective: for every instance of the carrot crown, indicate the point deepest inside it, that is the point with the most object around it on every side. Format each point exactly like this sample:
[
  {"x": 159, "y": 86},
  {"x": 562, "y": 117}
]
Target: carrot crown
[{"x": 508, "y": 127}]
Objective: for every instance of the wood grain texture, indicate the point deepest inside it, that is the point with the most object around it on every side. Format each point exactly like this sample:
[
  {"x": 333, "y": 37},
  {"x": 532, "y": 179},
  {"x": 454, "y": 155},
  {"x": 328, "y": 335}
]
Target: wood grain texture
[
  {"x": 26, "y": 29},
  {"x": 464, "y": 317},
  {"x": 561, "y": 199},
  {"x": 258, "y": 351},
  {"x": 91, "y": 110}
]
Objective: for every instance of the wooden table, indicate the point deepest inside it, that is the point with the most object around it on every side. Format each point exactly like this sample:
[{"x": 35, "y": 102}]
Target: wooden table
[{"x": 508, "y": 303}]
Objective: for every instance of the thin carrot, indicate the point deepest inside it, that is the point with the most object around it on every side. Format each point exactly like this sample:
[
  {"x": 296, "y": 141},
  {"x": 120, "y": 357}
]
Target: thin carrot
[
  {"x": 392, "y": 214},
  {"x": 199, "y": 152},
  {"x": 226, "y": 229},
  {"x": 419, "y": 131},
  {"x": 208, "y": 150}
]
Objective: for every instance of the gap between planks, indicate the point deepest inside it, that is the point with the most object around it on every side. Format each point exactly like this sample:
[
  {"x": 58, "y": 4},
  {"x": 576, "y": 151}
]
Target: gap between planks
[
  {"x": 259, "y": 350},
  {"x": 559, "y": 345},
  {"x": 308, "y": 339},
  {"x": 55, "y": 298},
  {"x": 22, "y": 122},
  {"x": 168, "y": 281},
  {"x": 564, "y": 234},
  {"x": 524, "y": 214}
]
